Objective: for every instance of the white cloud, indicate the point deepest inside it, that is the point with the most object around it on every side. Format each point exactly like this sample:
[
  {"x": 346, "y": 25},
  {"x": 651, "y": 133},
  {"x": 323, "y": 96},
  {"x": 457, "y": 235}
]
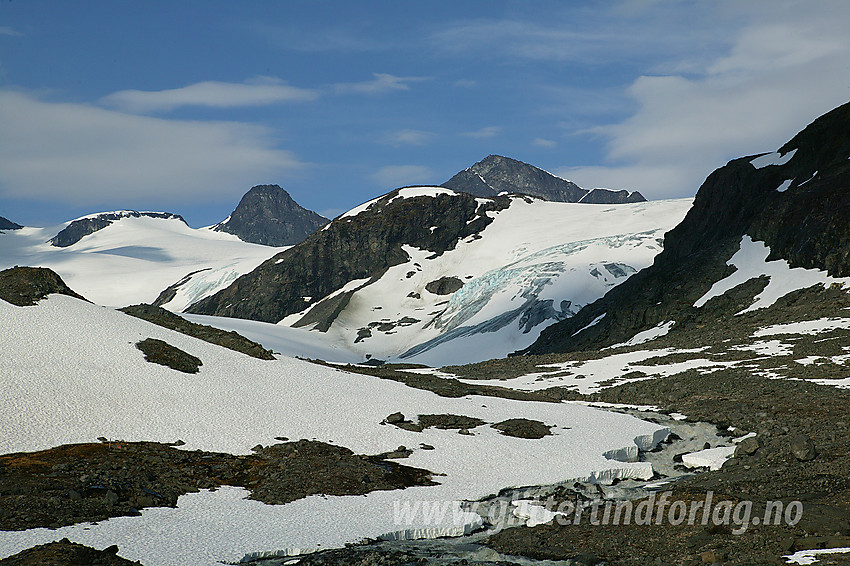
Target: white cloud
[
  {"x": 484, "y": 133},
  {"x": 543, "y": 142},
  {"x": 382, "y": 83},
  {"x": 8, "y": 31},
  {"x": 257, "y": 92},
  {"x": 85, "y": 155},
  {"x": 409, "y": 137},
  {"x": 783, "y": 70},
  {"x": 403, "y": 175}
]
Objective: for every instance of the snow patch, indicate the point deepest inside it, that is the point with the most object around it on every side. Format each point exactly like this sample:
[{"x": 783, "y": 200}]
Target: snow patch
[
  {"x": 751, "y": 262},
  {"x": 772, "y": 159},
  {"x": 784, "y": 186},
  {"x": 711, "y": 458},
  {"x": 806, "y": 557},
  {"x": 593, "y": 322}
]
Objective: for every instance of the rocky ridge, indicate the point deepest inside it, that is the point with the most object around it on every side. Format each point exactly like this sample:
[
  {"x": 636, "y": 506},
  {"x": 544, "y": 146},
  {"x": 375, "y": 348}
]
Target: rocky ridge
[
  {"x": 356, "y": 247},
  {"x": 268, "y": 215},
  {"x": 796, "y": 205},
  {"x": 496, "y": 174},
  {"x": 6, "y": 224},
  {"x": 82, "y": 227}
]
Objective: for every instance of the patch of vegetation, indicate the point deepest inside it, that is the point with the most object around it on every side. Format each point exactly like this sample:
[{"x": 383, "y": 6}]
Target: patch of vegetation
[
  {"x": 26, "y": 286},
  {"x": 94, "y": 481},
  {"x": 459, "y": 422},
  {"x": 523, "y": 428},
  {"x": 66, "y": 553},
  {"x": 167, "y": 319},
  {"x": 162, "y": 353}
]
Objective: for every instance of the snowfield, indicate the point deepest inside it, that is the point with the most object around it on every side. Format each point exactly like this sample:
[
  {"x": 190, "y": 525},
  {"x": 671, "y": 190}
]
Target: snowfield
[
  {"x": 536, "y": 263},
  {"x": 134, "y": 259},
  {"x": 71, "y": 373}
]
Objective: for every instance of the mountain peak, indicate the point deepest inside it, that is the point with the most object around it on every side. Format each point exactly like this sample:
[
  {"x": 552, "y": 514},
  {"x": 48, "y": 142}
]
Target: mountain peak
[
  {"x": 268, "y": 215},
  {"x": 497, "y": 174},
  {"x": 6, "y": 224}
]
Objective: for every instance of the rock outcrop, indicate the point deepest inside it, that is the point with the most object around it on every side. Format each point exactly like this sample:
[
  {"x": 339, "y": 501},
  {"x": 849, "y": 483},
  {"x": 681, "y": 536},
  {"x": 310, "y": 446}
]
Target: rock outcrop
[
  {"x": 267, "y": 215},
  {"x": 6, "y": 224}
]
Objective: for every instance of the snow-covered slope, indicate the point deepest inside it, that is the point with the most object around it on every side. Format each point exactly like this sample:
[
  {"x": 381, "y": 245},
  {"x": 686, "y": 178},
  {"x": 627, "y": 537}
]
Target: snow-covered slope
[
  {"x": 133, "y": 259},
  {"x": 536, "y": 263},
  {"x": 71, "y": 373}
]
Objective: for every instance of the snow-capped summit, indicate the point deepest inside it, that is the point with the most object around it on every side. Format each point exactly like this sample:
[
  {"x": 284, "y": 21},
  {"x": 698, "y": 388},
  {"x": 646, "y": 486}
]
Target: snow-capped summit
[
  {"x": 77, "y": 229},
  {"x": 127, "y": 257}
]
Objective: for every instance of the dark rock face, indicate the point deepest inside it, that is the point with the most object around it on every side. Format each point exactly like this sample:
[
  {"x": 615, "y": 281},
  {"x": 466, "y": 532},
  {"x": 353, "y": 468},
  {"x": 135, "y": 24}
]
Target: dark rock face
[
  {"x": 497, "y": 174},
  {"x": 78, "y": 229},
  {"x": 6, "y": 224},
  {"x": 25, "y": 286},
  {"x": 267, "y": 215},
  {"x": 808, "y": 224},
  {"x": 350, "y": 248}
]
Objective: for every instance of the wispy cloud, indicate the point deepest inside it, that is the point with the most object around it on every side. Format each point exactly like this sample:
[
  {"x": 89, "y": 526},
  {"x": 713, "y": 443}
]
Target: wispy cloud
[
  {"x": 260, "y": 91},
  {"x": 80, "y": 154},
  {"x": 601, "y": 35},
  {"x": 380, "y": 84},
  {"x": 8, "y": 31},
  {"x": 783, "y": 70},
  {"x": 400, "y": 175},
  {"x": 543, "y": 142},
  {"x": 484, "y": 133},
  {"x": 409, "y": 137}
]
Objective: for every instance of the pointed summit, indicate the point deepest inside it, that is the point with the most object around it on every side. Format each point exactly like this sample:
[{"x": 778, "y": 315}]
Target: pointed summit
[
  {"x": 6, "y": 224},
  {"x": 268, "y": 215},
  {"x": 498, "y": 174}
]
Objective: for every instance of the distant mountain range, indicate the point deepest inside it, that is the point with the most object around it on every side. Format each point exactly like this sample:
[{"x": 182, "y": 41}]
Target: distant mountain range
[{"x": 495, "y": 175}]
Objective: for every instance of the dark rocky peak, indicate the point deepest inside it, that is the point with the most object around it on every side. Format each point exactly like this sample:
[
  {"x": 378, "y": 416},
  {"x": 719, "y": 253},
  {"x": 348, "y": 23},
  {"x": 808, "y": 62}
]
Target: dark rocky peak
[
  {"x": 359, "y": 245},
  {"x": 6, "y": 224},
  {"x": 25, "y": 286},
  {"x": 496, "y": 174},
  {"x": 82, "y": 227},
  {"x": 796, "y": 200},
  {"x": 268, "y": 215}
]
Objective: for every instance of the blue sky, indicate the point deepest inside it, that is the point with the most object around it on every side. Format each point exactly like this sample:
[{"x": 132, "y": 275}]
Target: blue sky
[{"x": 183, "y": 106}]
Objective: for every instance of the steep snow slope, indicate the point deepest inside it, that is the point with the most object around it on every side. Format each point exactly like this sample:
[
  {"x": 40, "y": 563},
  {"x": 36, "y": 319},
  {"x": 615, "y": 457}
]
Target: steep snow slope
[
  {"x": 71, "y": 373},
  {"x": 537, "y": 262},
  {"x": 133, "y": 259}
]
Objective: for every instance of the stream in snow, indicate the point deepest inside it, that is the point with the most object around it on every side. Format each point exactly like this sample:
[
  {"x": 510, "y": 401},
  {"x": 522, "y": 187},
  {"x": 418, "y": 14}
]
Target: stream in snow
[{"x": 525, "y": 506}]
